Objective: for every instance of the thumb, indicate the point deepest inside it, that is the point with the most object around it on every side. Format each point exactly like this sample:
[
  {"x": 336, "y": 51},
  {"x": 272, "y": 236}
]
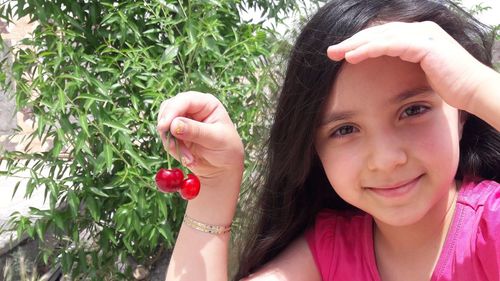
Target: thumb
[{"x": 205, "y": 134}]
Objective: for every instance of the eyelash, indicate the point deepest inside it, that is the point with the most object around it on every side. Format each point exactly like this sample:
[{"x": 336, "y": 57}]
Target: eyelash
[
  {"x": 336, "y": 133},
  {"x": 422, "y": 109},
  {"x": 419, "y": 106}
]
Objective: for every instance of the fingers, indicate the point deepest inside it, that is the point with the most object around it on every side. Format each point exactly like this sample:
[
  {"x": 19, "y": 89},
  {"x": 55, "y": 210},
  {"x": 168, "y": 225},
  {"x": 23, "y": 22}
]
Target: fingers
[
  {"x": 191, "y": 134},
  {"x": 409, "y": 41},
  {"x": 337, "y": 52},
  {"x": 201, "y": 132},
  {"x": 179, "y": 150},
  {"x": 205, "y": 134},
  {"x": 195, "y": 105},
  {"x": 407, "y": 51}
]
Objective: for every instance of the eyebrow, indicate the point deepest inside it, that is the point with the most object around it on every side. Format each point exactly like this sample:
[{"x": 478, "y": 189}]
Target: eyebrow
[
  {"x": 421, "y": 91},
  {"x": 343, "y": 115},
  {"x": 337, "y": 116}
]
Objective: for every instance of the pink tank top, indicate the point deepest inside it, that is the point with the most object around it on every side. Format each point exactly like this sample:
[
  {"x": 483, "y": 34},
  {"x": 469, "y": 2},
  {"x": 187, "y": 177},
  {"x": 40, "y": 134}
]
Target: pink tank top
[{"x": 342, "y": 242}]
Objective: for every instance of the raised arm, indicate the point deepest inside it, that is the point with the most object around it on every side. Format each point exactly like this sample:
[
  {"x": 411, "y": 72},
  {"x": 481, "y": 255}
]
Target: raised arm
[
  {"x": 295, "y": 263},
  {"x": 486, "y": 103},
  {"x": 461, "y": 80},
  {"x": 212, "y": 149}
]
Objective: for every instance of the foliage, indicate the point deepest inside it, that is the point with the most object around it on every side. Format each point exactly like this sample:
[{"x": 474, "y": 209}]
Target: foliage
[
  {"x": 95, "y": 73},
  {"x": 478, "y": 9}
]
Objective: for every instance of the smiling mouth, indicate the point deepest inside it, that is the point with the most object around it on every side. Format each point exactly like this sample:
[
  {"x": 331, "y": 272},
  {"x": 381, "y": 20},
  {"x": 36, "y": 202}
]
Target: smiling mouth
[{"x": 395, "y": 190}]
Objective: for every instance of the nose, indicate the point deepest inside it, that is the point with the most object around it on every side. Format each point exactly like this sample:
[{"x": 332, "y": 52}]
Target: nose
[{"x": 386, "y": 152}]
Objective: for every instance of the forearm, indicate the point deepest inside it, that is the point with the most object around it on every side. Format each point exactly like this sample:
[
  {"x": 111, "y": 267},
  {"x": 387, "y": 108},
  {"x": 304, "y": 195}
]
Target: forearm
[
  {"x": 202, "y": 256},
  {"x": 486, "y": 103}
]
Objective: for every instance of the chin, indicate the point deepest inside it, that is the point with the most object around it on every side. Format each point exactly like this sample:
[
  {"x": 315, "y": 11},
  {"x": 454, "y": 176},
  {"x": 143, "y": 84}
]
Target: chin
[{"x": 400, "y": 218}]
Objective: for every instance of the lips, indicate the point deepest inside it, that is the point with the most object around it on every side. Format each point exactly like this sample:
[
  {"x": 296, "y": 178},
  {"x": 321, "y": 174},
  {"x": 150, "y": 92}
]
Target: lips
[{"x": 395, "y": 189}]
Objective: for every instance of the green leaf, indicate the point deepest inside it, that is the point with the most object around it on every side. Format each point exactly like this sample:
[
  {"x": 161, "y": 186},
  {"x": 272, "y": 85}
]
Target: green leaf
[
  {"x": 94, "y": 97},
  {"x": 82, "y": 260},
  {"x": 59, "y": 221},
  {"x": 108, "y": 153},
  {"x": 45, "y": 257},
  {"x": 207, "y": 80},
  {"x": 161, "y": 206},
  {"x": 56, "y": 150},
  {"x": 66, "y": 261},
  {"x": 136, "y": 222},
  {"x": 166, "y": 232},
  {"x": 98, "y": 192},
  {"x": 116, "y": 125},
  {"x": 154, "y": 236},
  {"x": 15, "y": 189},
  {"x": 136, "y": 157},
  {"x": 93, "y": 208},
  {"x": 80, "y": 144},
  {"x": 74, "y": 203},
  {"x": 110, "y": 236},
  {"x": 61, "y": 99},
  {"x": 40, "y": 228},
  {"x": 169, "y": 54},
  {"x": 84, "y": 123}
]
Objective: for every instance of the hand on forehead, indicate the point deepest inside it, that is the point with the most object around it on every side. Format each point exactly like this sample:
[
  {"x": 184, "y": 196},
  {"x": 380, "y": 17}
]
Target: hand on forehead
[{"x": 450, "y": 70}]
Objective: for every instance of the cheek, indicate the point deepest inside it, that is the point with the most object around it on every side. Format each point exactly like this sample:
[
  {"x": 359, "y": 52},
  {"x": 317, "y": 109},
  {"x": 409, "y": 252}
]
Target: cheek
[
  {"x": 438, "y": 141},
  {"x": 342, "y": 167}
]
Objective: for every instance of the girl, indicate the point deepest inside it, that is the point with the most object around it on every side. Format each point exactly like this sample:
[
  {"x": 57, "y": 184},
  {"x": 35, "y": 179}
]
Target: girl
[{"x": 382, "y": 158}]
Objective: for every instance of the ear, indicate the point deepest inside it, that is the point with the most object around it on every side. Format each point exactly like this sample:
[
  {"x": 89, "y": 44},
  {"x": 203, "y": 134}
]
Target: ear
[{"x": 462, "y": 118}]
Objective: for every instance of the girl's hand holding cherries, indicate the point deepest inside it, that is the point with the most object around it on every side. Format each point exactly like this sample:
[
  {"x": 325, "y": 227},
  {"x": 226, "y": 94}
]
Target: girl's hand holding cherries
[{"x": 197, "y": 131}]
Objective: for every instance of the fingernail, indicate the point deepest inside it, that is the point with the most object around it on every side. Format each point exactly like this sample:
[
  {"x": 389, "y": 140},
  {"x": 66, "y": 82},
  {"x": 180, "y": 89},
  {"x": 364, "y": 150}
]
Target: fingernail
[
  {"x": 179, "y": 128},
  {"x": 186, "y": 161}
]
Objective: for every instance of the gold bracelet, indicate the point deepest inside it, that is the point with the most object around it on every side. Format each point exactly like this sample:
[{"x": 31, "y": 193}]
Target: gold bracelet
[{"x": 207, "y": 228}]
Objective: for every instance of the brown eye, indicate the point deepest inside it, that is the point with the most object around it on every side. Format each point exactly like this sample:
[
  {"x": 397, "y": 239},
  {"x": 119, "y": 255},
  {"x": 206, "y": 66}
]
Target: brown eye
[
  {"x": 344, "y": 131},
  {"x": 414, "y": 110}
]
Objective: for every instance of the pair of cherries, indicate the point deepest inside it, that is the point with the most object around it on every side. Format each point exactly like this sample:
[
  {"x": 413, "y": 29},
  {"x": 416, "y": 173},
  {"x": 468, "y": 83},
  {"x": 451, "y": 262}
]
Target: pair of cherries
[{"x": 172, "y": 180}]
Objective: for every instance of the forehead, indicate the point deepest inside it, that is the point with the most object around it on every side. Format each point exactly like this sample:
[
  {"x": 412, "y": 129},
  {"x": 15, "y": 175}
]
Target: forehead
[{"x": 375, "y": 81}]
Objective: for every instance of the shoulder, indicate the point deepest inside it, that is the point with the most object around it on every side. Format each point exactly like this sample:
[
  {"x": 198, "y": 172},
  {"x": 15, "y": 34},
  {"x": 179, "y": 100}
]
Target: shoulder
[
  {"x": 294, "y": 263},
  {"x": 337, "y": 234},
  {"x": 330, "y": 224},
  {"x": 480, "y": 195},
  {"x": 481, "y": 211},
  {"x": 480, "y": 204}
]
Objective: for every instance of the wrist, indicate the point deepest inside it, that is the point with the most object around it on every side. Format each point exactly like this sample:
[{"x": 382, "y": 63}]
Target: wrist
[
  {"x": 217, "y": 200},
  {"x": 485, "y": 92},
  {"x": 485, "y": 103}
]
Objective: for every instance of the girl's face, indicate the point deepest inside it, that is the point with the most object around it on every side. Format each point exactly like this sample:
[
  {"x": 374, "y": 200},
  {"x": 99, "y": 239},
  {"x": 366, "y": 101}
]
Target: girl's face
[{"x": 388, "y": 143}]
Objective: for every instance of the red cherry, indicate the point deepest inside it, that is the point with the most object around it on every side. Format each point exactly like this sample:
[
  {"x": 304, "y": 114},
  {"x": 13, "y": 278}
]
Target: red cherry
[
  {"x": 169, "y": 180},
  {"x": 190, "y": 187}
]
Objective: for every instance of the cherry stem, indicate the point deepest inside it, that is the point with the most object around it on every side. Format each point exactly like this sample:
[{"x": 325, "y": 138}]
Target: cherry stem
[
  {"x": 179, "y": 154},
  {"x": 169, "y": 135},
  {"x": 168, "y": 150}
]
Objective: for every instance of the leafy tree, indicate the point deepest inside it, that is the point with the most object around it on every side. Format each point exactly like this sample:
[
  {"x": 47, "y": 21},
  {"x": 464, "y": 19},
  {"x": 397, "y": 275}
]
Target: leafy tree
[
  {"x": 476, "y": 10},
  {"x": 94, "y": 74}
]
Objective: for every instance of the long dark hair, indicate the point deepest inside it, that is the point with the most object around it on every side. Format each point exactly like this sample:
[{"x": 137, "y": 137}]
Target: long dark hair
[{"x": 295, "y": 186}]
